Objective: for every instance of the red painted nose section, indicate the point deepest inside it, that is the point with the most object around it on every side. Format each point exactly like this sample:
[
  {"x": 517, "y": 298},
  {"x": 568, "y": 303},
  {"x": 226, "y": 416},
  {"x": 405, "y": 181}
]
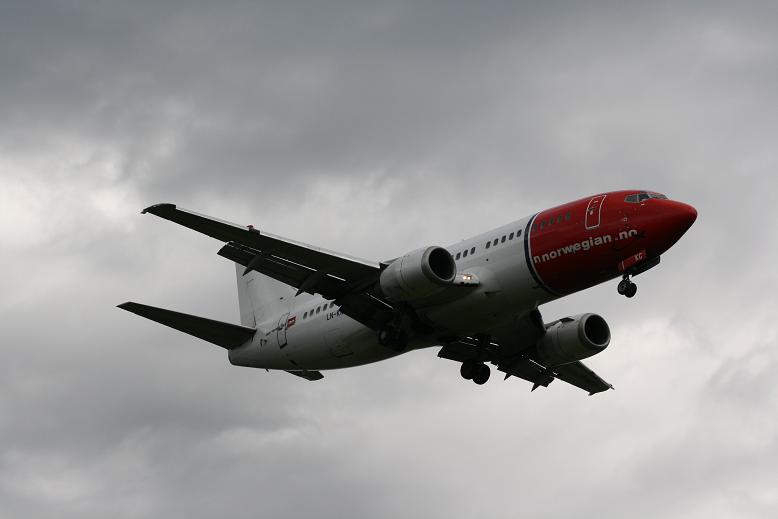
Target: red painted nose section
[
  {"x": 589, "y": 241},
  {"x": 678, "y": 217}
]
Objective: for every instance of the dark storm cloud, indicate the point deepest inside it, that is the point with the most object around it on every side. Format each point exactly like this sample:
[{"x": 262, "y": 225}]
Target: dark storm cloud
[{"x": 373, "y": 129}]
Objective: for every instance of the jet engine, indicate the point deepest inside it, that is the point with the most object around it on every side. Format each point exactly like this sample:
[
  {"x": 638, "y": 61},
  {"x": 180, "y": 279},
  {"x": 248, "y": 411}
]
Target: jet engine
[
  {"x": 573, "y": 338},
  {"x": 418, "y": 274}
]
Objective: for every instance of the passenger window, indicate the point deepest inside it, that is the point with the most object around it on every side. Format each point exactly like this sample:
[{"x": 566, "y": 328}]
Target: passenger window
[
  {"x": 518, "y": 233},
  {"x": 495, "y": 241},
  {"x": 567, "y": 217},
  {"x": 305, "y": 314},
  {"x": 459, "y": 255},
  {"x": 502, "y": 240},
  {"x": 472, "y": 251},
  {"x": 542, "y": 224},
  {"x": 535, "y": 227},
  {"x": 318, "y": 309},
  {"x": 510, "y": 236},
  {"x": 464, "y": 254},
  {"x": 559, "y": 219},
  {"x": 488, "y": 244}
]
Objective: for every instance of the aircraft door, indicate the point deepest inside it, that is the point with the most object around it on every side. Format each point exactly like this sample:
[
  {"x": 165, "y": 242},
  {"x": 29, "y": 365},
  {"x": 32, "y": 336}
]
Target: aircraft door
[
  {"x": 594, "y": 212},
  {"x": 283, "y": 324}
]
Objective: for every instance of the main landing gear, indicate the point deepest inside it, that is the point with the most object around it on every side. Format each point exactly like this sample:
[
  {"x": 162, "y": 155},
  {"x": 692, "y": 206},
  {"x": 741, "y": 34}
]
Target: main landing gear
[
  {"x": 626, "y": 287},
  {"x": 478, "y": 372},
  {"x": 393, "y": 337}
]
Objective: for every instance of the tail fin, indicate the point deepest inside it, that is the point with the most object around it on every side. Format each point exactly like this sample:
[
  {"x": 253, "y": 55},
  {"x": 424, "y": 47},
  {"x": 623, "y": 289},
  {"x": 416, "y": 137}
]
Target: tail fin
[{"x": 261, "y": 299}]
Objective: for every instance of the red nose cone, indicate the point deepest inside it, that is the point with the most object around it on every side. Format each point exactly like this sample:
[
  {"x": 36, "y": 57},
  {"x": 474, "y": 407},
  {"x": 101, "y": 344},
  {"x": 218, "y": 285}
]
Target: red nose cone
[
  {"x": 678, "y": 217},
  {"x": 686, "y": 215}
]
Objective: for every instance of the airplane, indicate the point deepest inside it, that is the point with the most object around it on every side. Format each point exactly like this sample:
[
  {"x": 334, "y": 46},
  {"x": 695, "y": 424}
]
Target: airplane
[{"x": 304, "y": 309}]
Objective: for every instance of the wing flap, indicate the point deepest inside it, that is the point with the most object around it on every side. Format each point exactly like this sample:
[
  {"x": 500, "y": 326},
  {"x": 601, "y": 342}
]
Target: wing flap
[{"x": 226, "y": 335}]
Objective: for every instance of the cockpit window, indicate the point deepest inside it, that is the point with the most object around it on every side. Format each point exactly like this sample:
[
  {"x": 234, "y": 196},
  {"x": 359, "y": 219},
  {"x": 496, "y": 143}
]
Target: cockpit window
[{"x": 643, "y": 196}]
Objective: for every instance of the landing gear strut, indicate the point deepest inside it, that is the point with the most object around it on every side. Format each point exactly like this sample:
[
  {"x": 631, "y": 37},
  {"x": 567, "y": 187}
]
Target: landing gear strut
[
  {"x": 626, "y": 287},
  {"x": 478, "y": 372}
]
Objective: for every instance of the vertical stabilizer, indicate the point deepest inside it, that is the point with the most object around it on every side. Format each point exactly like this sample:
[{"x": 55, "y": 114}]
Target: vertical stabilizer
[{"x": 261, "y": 299}]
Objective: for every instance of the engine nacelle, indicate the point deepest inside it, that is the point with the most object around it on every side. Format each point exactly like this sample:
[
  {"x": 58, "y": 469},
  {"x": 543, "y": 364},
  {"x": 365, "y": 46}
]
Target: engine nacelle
[
  {"x": 573, "y": 338},
  {"x": 418, "y": 274}
]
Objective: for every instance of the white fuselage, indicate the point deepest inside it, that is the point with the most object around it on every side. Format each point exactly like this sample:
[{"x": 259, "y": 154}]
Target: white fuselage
[{"x": 312, "y": 334}]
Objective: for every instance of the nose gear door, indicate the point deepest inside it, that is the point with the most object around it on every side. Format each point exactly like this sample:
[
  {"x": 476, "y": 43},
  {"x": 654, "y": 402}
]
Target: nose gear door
[{"x": 594, "y": 211}]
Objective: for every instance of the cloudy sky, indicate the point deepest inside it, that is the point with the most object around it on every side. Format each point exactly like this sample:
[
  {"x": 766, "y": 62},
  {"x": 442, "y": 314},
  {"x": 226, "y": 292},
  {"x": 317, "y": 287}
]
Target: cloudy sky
[{"x": 373, "y": 130}]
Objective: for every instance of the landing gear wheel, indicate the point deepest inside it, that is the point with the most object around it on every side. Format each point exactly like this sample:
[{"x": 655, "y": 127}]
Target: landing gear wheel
[
  {"x": 468, "y": 369},
  {"x": 393, "y": 338},
  {"x": 481, "y": 374},
  {"x": 385, "y": 337},
  {"x": 626, "y": 287}
]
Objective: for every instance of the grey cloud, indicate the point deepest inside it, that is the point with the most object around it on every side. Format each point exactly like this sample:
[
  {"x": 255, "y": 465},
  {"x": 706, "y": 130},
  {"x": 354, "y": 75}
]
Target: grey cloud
[{"x": 374, "y": 129}]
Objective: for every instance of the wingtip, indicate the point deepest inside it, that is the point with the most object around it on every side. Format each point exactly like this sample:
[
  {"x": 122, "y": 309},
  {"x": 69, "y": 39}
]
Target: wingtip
[
  {"x": 154, "y": 209},
  {"x": 126, "y": 305}
]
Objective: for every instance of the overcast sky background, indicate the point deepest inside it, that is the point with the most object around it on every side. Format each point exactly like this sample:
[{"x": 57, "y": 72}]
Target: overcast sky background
[{"x": 373, "y": 130}]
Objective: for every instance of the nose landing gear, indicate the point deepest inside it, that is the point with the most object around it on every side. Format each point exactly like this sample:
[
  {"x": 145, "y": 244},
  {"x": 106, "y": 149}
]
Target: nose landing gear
[
  {"x": 478, "y": 372},
  {"x": 626, "y": 287}
]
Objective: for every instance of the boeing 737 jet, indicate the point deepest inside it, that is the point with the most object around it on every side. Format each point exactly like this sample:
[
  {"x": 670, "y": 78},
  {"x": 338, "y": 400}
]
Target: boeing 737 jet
[{"x": 304, "y": 309}]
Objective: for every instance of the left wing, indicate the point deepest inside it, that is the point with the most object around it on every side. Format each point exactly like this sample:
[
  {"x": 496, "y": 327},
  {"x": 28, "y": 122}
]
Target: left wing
[{"x": 346, "y": 280}]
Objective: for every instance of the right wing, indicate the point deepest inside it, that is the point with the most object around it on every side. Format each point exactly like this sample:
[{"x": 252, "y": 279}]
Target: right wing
[
  {"x": 346, "y": 280},
  {"x": 510, "y": 358},
  {"x": 575, "y": 373}
]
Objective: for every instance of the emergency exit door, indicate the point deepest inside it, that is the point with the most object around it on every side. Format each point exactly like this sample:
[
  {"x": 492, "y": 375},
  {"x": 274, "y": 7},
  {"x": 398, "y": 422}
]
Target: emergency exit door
[{"x": 283, "y": 324}]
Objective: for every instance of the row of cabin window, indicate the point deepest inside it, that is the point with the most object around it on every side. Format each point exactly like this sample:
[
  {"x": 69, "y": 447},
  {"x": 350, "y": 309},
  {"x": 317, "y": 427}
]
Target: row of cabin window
[
  {"x": 504, "y": 238},
  {"x": 464, "y": 253},
  {"x": 318, "y": 309},
  {"x": 490, "y": 243},
  {"x": 551, "y": 221}
]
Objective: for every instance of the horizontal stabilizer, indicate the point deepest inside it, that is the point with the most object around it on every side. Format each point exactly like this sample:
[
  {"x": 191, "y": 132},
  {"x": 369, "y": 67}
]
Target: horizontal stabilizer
[{"x": 226, "y": 335}]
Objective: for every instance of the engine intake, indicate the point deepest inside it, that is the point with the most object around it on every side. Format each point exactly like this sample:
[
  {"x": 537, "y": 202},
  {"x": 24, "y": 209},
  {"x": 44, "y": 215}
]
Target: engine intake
[
  {"x": 418, "y": 274},
  {"x": 573, "y": 338}
]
